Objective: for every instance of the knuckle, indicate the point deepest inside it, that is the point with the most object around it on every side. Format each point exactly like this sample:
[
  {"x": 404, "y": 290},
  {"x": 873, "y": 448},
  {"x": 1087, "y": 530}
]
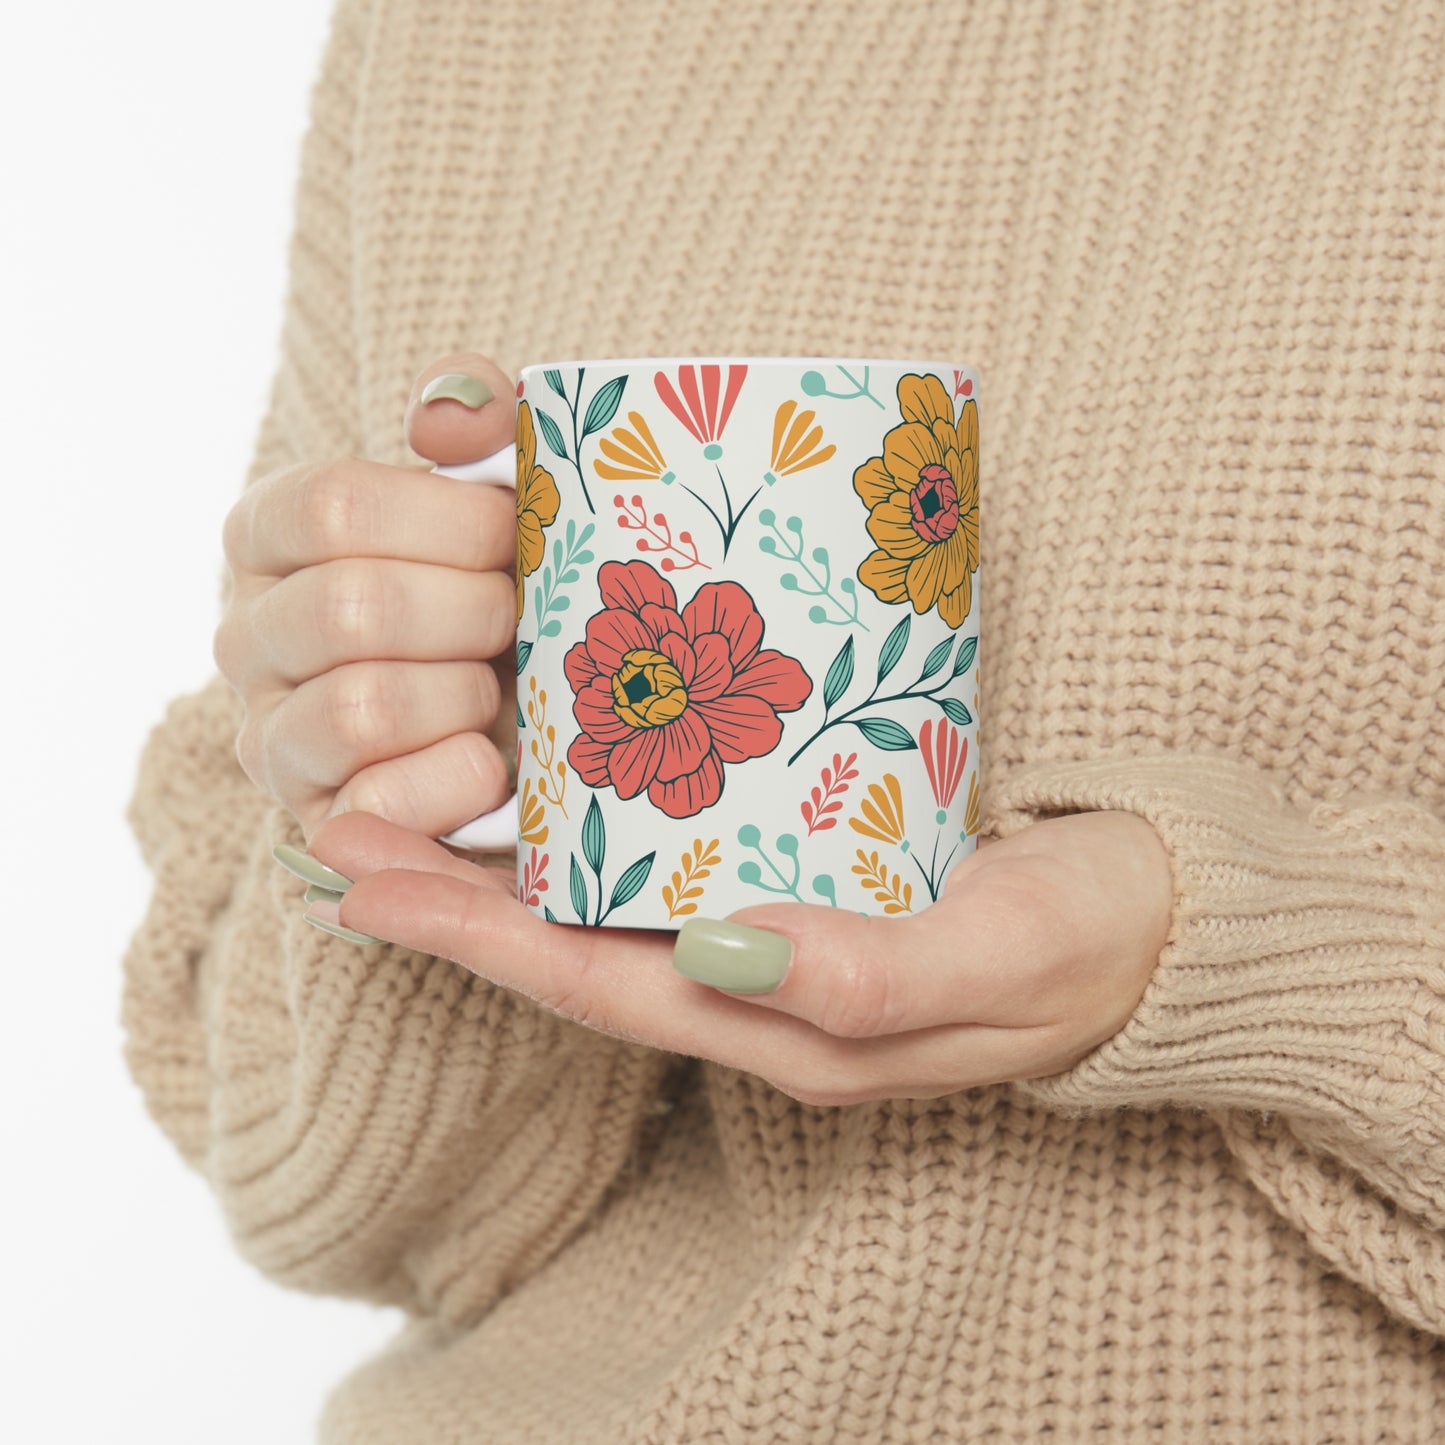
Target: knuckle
[
  {"x": 861, "y": 1000},
  {"x": 224, "y": 646},
  {"x": 361, "y": 710},
  {"x": 353, "y": 607},
  {"x": 332, "y": 508},
  {"x": 500, "y": 614},
  {"x": 250, "y": 752}
]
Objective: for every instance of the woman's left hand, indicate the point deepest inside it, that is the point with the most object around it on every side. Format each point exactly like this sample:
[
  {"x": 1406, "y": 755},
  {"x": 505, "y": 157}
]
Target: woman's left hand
[{"x": 1038, "y": 949}]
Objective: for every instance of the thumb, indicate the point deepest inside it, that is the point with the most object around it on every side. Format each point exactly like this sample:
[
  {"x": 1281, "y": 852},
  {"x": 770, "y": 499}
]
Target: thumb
[{"x": 462, "y": 408}]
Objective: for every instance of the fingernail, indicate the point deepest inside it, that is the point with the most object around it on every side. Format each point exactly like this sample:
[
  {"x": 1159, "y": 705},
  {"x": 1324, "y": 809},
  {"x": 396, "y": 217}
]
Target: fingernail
[
  {"x": 304, "y": 866},
  {"x": 471, "y": 391},
  {"x": 731, "y": 955},
  {"x": 349, "y": 934},
  {"x": 323, "y": 895}
]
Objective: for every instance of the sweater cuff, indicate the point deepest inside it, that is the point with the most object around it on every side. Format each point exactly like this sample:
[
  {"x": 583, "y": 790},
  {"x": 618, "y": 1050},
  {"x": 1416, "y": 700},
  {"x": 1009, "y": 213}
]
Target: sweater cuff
[{"x": 1302, "y": 969}]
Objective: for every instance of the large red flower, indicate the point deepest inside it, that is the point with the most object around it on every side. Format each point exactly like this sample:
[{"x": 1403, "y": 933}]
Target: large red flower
[{"x": 665, "y": 698}]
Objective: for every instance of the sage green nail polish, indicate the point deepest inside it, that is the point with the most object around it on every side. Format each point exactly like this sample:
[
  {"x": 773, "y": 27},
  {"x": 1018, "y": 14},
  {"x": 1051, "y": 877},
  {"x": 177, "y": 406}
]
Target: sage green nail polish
[
  {"x": 349, "y": 934},
  {"x": 731, "y": 955},
  {"x": 305, "y": 867},
  {"x": 323, "y": 895},
  {"x": 471, "y": 391}
]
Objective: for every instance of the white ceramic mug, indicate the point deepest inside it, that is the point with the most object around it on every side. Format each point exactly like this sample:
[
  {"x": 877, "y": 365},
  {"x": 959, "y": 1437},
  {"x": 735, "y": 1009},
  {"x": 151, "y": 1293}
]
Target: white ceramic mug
[{"x": 747, "y": 638}]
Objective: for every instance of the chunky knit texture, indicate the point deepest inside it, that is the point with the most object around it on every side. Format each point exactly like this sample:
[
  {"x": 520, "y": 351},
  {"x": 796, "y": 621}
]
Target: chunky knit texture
[{"x": 1198, "y": 252}]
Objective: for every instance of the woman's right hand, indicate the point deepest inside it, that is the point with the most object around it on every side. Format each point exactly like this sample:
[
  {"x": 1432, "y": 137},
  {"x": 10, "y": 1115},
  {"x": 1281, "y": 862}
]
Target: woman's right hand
[{"x": 366, "y": 599}]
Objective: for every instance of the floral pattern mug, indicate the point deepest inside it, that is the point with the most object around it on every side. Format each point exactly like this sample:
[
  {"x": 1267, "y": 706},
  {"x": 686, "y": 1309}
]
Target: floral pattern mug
[{"x": 747, "y": 646}]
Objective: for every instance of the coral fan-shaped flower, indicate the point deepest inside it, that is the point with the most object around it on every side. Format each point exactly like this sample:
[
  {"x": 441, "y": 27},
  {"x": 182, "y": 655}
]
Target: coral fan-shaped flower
[
  {"x": 922, "y": 500},
  {"x": 537, "y": 502},
  {"x": 795, "y": 447},
  {"x": 634, "y": 455},
  {"x": 705, "y": 403},
  {"x": 944, "y": 754},
  {"x": 665, "y": 697}
]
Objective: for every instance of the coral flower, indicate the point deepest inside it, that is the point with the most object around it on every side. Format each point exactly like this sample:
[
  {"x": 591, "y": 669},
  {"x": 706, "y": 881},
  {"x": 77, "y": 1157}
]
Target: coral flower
[
  {"x": 922, "y": 500},
  {"x": 944, "y": 754},
  {"x": 665, "y": 697},
  {"x": 537, "y": 502},
  {"x": 703, "y": 411}
]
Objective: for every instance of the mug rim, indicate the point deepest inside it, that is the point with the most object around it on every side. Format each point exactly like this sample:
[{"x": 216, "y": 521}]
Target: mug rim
[{"x": 724, "y": 360}]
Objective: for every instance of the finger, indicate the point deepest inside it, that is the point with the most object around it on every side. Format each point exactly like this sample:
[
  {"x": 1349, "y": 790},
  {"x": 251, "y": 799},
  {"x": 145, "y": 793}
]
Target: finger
[
  {"x": 330, "y": 728},
  {"x": 365, "y": 608},
  {"x": 617, "y": 981},
  {"x": 301, "y": 516},
  {"x": 433, "y": 790},
  {"x": 470, "y": 416},
  {"x": 357, "y": 844}
]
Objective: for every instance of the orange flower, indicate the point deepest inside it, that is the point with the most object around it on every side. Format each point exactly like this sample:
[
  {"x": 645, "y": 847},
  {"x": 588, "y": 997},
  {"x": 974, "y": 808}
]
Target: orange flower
[
  {"x": 922, "y": 500},
  {"x": 795, "y": 448},
  {"x": 537, "y": 502},
  {"x": 638, "y": 457},
  {"x": 882, "y": 813}
]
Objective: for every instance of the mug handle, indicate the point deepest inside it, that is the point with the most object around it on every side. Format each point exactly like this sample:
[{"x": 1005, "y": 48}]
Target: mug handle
[{"x": 496, "y": 830}]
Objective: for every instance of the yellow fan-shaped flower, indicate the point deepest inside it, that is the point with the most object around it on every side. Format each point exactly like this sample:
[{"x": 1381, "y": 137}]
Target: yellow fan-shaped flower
[
  {"x": 635, "y": 455},
  {"x": 530, "y": 816},
  {"x": 882, "y": 812},
  {"x": 795, "y": 447},
  {"x": 537, "y": 502}
]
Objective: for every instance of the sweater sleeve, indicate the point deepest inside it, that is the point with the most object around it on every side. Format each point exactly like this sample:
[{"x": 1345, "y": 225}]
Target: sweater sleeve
[
  {"x": 1299, "y": 1000},
  {"x": 375, "y": 1123}
]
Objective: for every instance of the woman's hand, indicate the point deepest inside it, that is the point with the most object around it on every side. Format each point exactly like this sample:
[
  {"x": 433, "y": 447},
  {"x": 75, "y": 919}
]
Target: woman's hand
[
  {"x": 365, "y": 598},
  {"x": 1037, "y": 951}
]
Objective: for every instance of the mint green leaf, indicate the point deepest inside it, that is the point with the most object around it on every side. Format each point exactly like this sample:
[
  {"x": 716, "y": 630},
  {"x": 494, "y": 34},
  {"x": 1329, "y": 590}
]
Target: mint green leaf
[
  {"x": 893, "y": 648},
  {"x": 884, "y": 733},
  {"x": 594, "y": 836},
  {"x": 553, "y": 436},
  {"x": 840, "y": 674},
  {"x": 554, "y": 380},
  {"x": 579, "y": 891},
  {"x": 966, "y": 652},
  {"x": 936, "y": 658},
  {"x": 604, "y": 406},
  {"x": 956, "y": 711},
  {"x": 630, "y": 884}
]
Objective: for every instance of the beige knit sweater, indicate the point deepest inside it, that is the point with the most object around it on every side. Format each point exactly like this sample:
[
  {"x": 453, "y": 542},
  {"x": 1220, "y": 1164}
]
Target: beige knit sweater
[{"x": 1198, "y": 251}]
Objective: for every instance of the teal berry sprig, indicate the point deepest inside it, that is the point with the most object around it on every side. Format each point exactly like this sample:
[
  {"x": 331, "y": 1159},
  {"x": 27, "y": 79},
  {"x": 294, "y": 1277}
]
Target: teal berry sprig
[
  {"x": 787, "y": 887},
  {"x": 778, "y": 545},
  {"x": 594, "y": 850},
  {"x": 815, "y": 384},
  {"x": 884, "y": 732},
  {"x": 562, "y": 572},
  {"x": 600, "y": 411}
]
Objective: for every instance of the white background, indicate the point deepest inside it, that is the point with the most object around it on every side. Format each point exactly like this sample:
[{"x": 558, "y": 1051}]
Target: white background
[{"x": 148, "y": 153}]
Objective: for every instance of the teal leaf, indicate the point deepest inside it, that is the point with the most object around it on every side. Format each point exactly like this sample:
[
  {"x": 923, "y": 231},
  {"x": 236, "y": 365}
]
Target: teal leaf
[
  {"x": 840, "y": 674},
  {"x": 579, "y": 891},
  {"x": 571, "y": 532},
  {"x": 521, "y": 721},
  {"x": 936, "y": 658},
  {"x": 552, "y": 434},
  {"x": 893, "y": 647},
  {"x": 569, "y": 577},
  {"x": 524, "y": 651},
  {"x": 966, "y": 652},
  {"x": 630, "y": 884},
  {"x": 884, "y": 733},
  {"x": 554, "y": 380},
  {"x": 583, "y": 536},
  {"x": 551, "y": 628},
  {"x": 560, "y": 604},
  {"x": 583, "y": 558},
  {"x": 604, "y": 406},
  {"x": 955, "y": 711},
  {"x": 557, "y": 553},
  {"x": 594, "y": 836},
  {"x": 548, "y": 914}
]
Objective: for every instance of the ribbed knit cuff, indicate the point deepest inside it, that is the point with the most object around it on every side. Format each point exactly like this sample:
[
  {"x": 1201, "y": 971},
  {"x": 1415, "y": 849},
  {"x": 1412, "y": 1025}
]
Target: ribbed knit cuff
[{"x": 1305, "y": 967}]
